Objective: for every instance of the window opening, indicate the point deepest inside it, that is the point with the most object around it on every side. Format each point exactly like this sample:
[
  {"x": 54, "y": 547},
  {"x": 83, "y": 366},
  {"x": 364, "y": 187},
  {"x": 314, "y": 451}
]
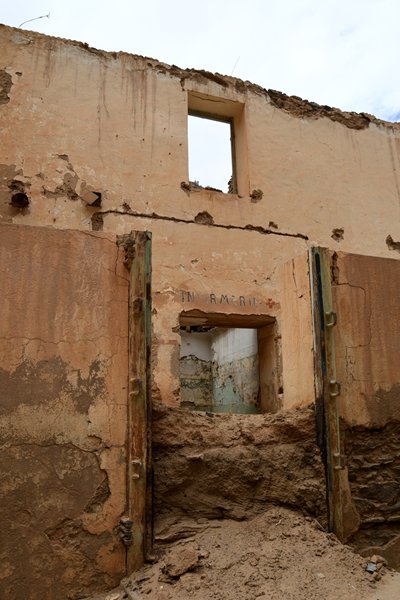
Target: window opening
[
  {"x": 228, "y": 369},
  {"x": 211, "y": 163}
]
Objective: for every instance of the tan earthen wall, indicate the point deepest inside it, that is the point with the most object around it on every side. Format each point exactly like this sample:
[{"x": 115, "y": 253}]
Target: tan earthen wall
[
  {"x": 63, "y": 418},
  {"x": 75, "y": 120},
  {"x": 367, "y": 340},
  {"x": 366, "y": 296}
]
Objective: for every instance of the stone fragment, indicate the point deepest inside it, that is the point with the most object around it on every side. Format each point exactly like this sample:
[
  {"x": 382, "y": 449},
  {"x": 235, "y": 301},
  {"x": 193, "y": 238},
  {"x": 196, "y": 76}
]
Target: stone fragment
[
  {"x": 378, "y": 560},
  {"x": 180, "y": 560},
  {"x": 371, "y": 567}
]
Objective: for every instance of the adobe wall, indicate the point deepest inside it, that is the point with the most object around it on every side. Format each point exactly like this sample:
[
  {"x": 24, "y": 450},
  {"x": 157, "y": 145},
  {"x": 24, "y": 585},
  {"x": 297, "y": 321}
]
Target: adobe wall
[
  {"x": 63, "y": 416},
  {"x": 76, "y": 120},
  {"x": 367, "y": 340},
  {"x": 365, "y": 295}
]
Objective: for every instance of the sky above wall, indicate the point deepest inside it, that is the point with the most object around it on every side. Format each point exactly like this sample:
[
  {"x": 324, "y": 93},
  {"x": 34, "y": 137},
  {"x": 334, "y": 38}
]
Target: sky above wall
[{"x": 342, "y": 53}]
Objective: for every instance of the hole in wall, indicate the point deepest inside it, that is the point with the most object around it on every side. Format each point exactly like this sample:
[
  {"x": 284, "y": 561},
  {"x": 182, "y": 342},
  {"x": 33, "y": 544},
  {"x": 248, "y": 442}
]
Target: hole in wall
[
  {"x": 19, "y": 200},
  {"x": 97, "y": 221}
]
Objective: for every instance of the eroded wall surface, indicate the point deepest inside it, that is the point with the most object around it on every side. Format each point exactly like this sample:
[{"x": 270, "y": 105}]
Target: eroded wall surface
[
  {"x": 367, "y": 339},
  {"x": 63, "y": 378},
  {"x": 98, "y": 141},
  {"x": 296, "y": 333},
  {"x": 219, "y": 370},
  {"x": 232, "y": 466},
  {"x": 235, "y": 370},
  {"x": 195, "y": 366}
]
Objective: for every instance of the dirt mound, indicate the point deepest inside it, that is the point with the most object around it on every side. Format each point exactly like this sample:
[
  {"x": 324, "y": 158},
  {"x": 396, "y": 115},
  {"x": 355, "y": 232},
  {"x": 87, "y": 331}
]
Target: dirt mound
[
  {"x": 278, "y": 555},
  {"x": 232, "y": 466}
]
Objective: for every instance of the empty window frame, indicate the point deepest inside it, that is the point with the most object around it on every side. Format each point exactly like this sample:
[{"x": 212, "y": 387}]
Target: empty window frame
[
  {"x": 217, "y": 147},
  {"x": 211, "y": 153}
]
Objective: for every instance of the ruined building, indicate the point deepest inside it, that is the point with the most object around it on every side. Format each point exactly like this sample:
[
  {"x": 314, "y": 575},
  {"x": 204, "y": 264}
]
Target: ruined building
[{"x": 126, "y": 287}]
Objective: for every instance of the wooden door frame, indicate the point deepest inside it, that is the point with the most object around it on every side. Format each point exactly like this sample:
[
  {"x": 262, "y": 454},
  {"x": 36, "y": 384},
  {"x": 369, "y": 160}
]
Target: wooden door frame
[
  {"x": 327, "y": 389},
  {"x": 138, "y": 523}
]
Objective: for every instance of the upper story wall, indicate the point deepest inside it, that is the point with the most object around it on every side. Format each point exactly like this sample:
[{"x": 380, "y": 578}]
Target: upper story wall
[{"x": 75, "y": 120}]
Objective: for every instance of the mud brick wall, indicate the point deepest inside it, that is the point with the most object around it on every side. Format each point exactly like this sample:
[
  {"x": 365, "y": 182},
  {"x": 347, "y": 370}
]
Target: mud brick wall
[
  {"x": 373, "y": 457},
  {"x": 366, "y": 299},
  {"x": 233, "y": 466},
  {"x": 63, "y": 365}
]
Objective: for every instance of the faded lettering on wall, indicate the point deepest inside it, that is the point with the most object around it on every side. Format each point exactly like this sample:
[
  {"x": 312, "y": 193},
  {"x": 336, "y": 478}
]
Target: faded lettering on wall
[{"x": 188, "y": 297}]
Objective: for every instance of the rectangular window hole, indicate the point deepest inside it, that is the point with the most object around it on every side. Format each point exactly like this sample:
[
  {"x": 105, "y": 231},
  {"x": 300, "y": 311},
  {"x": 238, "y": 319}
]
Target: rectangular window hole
[
  {"x": 211, "y": 163},
  {"x": 229, "y": 369}
]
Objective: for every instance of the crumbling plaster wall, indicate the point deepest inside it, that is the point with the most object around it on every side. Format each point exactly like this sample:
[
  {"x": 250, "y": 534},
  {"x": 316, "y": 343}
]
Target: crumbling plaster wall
[
  {"x": 366, "y": 352},
  {"x": 195, "y": 370},
  {"x": 367, "y": 340},
  {"x": 76, "y": 120},
  {"x": 366, "y": 298},
  {"x": 235, "y": 369},
  {"x": 63, "y": 397}
]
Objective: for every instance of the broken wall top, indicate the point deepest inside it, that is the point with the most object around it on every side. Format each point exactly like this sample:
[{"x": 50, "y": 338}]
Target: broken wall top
[{"x": 293, "y": 105}]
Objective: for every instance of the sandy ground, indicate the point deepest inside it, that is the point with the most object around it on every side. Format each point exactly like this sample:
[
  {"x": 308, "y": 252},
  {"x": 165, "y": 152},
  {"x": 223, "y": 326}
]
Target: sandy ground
[{"x": 279, "y": 555}]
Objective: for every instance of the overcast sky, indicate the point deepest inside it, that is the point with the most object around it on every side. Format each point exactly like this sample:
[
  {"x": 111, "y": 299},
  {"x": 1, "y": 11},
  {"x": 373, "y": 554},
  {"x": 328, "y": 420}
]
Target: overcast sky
[{"x": 343, "y": 53}]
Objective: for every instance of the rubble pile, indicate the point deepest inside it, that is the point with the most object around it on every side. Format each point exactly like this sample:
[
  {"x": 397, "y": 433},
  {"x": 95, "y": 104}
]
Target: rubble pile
[{"x": 279, "y": 555}]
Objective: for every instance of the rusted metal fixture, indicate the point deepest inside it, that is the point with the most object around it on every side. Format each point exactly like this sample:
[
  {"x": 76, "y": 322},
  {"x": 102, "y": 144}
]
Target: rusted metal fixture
[{"x": 125, "y": 530}]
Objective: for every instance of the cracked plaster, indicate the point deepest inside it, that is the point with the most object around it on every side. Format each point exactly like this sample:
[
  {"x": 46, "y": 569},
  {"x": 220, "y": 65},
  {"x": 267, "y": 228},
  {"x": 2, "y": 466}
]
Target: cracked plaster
[{"x": 63, "y": 345}]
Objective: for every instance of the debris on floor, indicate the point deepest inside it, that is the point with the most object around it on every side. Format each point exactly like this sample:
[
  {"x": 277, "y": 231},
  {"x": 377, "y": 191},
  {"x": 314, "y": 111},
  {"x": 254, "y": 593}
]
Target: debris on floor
[{"x": 279, "y": 555}]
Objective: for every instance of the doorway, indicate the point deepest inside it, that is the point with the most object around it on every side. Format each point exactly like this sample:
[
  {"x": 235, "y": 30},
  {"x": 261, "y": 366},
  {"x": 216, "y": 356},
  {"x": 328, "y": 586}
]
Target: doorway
[{"x": 229, "y": 363}]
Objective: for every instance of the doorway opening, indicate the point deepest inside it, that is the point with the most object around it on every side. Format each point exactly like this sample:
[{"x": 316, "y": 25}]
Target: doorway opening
[{"x": 229, "y": 363}]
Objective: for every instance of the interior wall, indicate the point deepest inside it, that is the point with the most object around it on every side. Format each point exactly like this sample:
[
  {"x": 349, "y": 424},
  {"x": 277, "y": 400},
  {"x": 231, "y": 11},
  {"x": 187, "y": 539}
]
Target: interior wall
[
  {"x": 219, "y": 370},
  {"x": 195, "y": 365},
  {"x": 235, "y": 370}
]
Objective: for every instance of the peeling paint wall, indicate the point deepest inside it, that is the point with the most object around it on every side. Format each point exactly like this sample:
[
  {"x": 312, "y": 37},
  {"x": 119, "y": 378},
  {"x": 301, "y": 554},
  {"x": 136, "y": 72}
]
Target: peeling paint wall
[
  {"x": 235, "y": 370},
  {"x": 63, "y": 378},
  {"x": 195, "y": 368},
  {"x": 296, "y": 331},
  {"x": 98, "y": 141},
  {"x": 368, "y": 338},
  {"x": 367, "y": 349},
  {"x": 219, "y": 370}
]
